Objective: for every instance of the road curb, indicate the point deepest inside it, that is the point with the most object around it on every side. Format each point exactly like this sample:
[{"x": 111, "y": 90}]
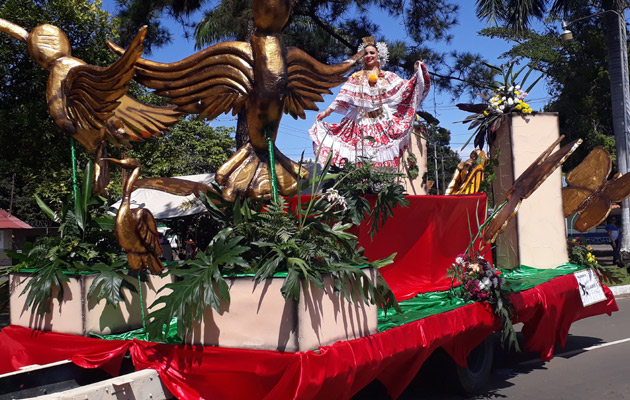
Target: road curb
[{"x": 623, "y": 290}]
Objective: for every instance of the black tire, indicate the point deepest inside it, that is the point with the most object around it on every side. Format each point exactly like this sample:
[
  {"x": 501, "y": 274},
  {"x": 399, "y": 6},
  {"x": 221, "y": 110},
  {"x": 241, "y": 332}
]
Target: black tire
[{"x": 474, "y": 377}]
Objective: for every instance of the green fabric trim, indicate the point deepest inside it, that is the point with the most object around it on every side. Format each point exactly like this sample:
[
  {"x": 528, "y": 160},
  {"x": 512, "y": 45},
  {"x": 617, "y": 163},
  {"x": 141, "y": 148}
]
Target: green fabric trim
[
  {"x": 171, "y": 336},
  {"x": 422, "y": 306},
  {"x": 432, "y": 303}
]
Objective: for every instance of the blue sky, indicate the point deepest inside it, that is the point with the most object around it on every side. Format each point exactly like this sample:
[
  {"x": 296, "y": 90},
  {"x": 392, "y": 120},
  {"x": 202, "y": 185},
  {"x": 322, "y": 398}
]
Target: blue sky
[{"x": 293, "y": 136}]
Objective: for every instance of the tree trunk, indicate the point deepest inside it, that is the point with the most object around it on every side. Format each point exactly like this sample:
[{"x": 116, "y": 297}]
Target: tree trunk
[
  {"x": 242, "y": 133},
  {"x": 620, "y": 96}
]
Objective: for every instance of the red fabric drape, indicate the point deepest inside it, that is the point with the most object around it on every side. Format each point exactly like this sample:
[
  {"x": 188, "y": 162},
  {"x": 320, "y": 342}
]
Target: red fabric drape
[
  {"x": 427, "y": 236},
  {"x": 337, "y": 371}
]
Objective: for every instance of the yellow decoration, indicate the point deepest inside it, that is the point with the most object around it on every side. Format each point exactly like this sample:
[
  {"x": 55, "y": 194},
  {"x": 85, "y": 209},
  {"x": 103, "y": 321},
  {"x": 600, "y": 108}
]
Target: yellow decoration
[
  {"x": 468, "y": 175},
  {"x": 372, "y": 79}
]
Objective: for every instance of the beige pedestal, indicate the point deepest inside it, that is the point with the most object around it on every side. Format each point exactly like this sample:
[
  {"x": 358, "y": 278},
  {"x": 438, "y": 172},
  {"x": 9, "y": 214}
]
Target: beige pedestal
[
  {"x": 78, "y": 315},
  {"x": 536, "y": 236},
  {"x": 258, "y": 317},
  {"x": 417, "y": 147}
]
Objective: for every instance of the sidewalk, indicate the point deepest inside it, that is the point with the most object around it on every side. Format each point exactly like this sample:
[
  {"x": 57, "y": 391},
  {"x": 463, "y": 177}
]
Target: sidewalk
[{"x": 603, "y": 253}]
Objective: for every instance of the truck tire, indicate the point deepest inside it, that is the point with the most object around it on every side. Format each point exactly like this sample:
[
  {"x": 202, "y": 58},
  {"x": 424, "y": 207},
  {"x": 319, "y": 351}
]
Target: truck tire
[{"x": 474, "y": 377}]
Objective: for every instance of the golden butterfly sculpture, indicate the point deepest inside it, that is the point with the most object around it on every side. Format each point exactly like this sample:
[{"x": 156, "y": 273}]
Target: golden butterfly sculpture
[
  {"x": 90, "y": 102},
  {"x": 526, "y": 184},
  {"x": 264, "y": 77},
  {"x": 589, "y": 194}
]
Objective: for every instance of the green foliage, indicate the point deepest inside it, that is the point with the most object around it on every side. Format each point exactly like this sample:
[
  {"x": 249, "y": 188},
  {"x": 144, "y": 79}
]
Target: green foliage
[
  {"x": 81, "y": 243},
  {"x": 201, "y": 285},
  {"x": 190, "y": 147},
  {"x": 305, "y": 240},
  {"x": 34, "y": 150},
  {"x": 441, "y": 159},
  {"x": 576, "y": 72},
  {"x": 358, "y": 183},
  {"x": 581, "y": 254}
]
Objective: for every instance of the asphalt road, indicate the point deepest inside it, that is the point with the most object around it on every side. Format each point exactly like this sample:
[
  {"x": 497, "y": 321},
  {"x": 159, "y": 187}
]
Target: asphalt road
[{"x": 595, "y": 364}]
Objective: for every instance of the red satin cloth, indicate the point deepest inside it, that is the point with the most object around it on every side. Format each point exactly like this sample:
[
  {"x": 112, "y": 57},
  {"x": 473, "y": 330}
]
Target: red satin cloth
[
  {"x": 337, "y": 372},
  {"x": 427, "y": 235}
]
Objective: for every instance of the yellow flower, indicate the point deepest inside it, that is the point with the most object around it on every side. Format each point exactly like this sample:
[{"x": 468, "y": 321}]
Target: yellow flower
[
  {"x": 516, "y": 92},
  {"x": 590, "y": 257},
  {"x": 589, "y": 248},
  {"x": 486, "y": 113},
  {"x": 518, "y": 106},
  {"x": 372, "y": 78}
]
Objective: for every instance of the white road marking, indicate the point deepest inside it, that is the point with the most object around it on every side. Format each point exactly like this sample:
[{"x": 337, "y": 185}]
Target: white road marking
[{"x": 578, "y": 351}]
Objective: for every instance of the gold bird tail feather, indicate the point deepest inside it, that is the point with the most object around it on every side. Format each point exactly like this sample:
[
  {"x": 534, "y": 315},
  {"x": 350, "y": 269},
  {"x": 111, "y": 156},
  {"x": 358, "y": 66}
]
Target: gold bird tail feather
[{"x": 247, "y": 173}]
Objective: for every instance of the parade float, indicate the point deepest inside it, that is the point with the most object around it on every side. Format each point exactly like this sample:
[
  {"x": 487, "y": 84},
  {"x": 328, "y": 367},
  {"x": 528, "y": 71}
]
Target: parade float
[{"x": 297, "y": 296}]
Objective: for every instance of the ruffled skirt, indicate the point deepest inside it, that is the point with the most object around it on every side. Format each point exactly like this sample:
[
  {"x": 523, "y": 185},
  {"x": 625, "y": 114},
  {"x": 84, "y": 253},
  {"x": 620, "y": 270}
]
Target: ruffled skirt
[{"x": 358, "y": 138}]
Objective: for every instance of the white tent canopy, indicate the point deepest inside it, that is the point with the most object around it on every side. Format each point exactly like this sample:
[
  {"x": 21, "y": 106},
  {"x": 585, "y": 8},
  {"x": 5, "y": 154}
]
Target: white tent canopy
[{"x": 165, "y": 205}]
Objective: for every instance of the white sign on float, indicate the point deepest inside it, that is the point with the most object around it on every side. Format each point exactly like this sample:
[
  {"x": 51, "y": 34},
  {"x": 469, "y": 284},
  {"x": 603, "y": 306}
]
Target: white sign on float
[{"x": 590, "y": 288}]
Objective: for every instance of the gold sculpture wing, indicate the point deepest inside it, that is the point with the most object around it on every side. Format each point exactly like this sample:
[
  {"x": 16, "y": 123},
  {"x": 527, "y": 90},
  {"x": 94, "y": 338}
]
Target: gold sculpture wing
[
  {"x": 135, "y": 121},
  {"x": 211, "y": 82},
  {"x": 309, "y": 80},
  {"x": 93, "y": 93}
]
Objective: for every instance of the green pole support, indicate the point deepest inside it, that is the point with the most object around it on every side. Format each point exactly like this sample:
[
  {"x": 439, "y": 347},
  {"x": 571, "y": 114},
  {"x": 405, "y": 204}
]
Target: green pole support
[
  {"x": 75, "y": 186},
  {"x": 272, "y": 169}
]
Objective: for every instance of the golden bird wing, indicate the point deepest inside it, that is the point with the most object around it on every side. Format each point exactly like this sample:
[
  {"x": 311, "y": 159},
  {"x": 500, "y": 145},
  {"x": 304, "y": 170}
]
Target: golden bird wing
[
  {"x": 147, "y": 230},
  {"x": 211, "y": 82},
  {"x": 176, "y": 186},
  {"x": 135, "y": 121},
  {"x": 585, "y": 179},
  {"x": 308, "y": 80},
  {"x": 93, "y": 93}
]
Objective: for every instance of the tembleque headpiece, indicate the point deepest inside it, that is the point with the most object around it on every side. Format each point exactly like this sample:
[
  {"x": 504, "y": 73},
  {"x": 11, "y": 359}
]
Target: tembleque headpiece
[{"x": 381, "y": 47}]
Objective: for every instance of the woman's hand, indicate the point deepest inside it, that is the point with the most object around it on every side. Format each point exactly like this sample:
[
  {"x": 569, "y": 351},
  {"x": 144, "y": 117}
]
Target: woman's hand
[{"x": 323, "y": 114}]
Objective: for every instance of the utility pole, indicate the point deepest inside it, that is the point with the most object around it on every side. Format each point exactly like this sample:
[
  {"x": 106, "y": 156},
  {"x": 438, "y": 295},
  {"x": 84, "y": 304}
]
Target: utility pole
[
  {"x": 437, "y": 180},
  {"x": 620, "y": 96}
]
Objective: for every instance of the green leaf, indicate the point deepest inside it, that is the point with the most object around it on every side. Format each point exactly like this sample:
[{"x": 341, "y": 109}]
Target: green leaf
[
  {"x": 51, "y": 214},
  {"x": 109, "y": 285}
]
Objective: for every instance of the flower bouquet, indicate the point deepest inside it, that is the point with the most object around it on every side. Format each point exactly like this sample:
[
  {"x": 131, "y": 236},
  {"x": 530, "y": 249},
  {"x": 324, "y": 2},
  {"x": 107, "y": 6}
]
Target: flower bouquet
[
  {"x": 480, "y": 281},
  {"x": 503, "y": 98},
  {"x": 580, "y": 253}
]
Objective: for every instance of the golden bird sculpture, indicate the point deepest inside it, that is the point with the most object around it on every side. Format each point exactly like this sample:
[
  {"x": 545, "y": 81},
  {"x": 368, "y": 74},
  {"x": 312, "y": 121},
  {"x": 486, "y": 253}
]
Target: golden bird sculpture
[
  {"x": 468, "y": 175},
  {"x": 136, "y": 229},
  {"x": 265, "y": 77},
  {"x": 90, "y": 102}
]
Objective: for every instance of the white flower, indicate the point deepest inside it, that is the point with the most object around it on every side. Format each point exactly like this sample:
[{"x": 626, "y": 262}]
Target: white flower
[
  {"x": 333, "y": 196},
  {"x": 484, "y": 284},
  {"x": 501, "y": 107},
  {"x": 495, "y": 282},
  {"x": 510, "y": 101},
  {"x": 517, "y": 87},
  {"x": 459, "y": 260},
  {"x": 511, "y": 88}
]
